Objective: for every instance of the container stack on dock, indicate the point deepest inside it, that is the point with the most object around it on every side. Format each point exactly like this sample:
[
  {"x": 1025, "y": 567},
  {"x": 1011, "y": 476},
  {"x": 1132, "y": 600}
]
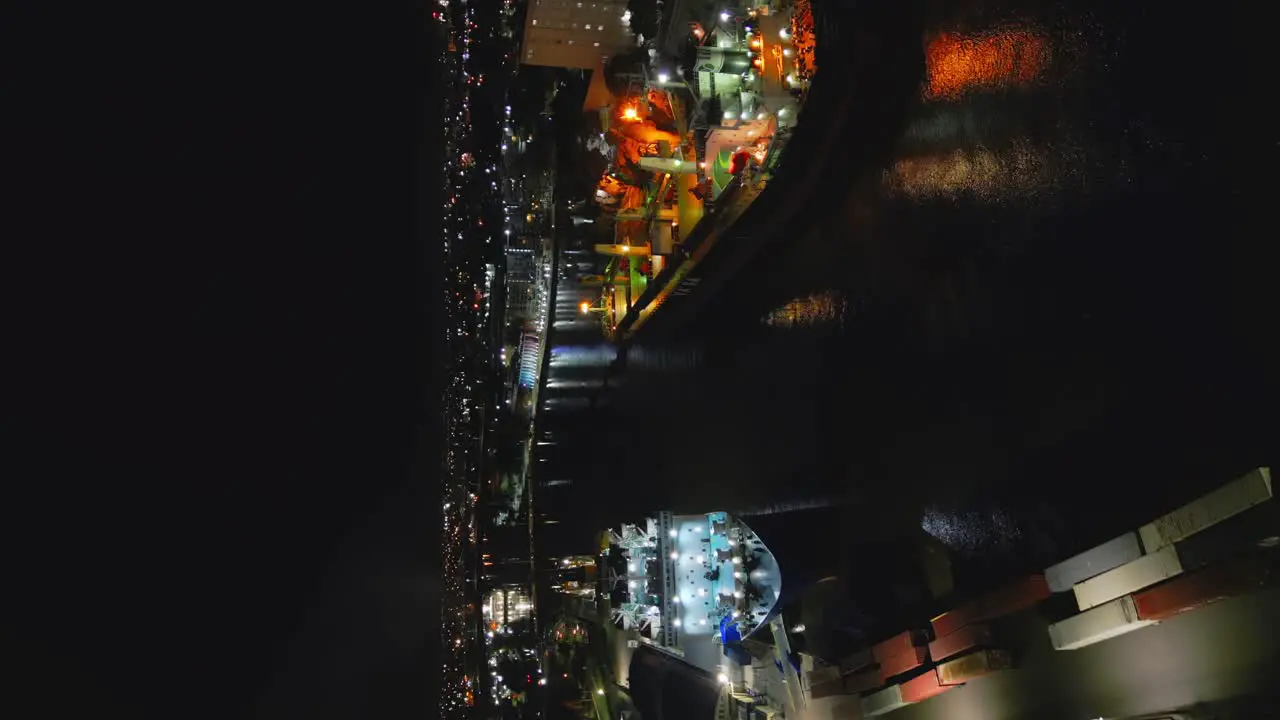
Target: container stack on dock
[
  {"x": 1141, "y": 578},
  {"x": 1208, "y": 550}
]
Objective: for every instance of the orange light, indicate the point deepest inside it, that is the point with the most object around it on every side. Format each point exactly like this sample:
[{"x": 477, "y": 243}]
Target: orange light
[
  {"x": 957, "y": 63},
  {"x": 584, "y": 307},
  {"x": 629, "y": 113}
]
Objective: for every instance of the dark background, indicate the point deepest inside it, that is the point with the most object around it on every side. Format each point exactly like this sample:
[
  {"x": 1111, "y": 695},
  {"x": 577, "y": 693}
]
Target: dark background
[{"x": 225, "y": 311}]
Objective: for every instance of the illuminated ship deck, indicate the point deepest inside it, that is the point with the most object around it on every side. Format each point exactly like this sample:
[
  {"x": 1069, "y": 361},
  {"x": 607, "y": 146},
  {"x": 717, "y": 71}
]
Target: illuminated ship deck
[{"x": 696, "y": 582}]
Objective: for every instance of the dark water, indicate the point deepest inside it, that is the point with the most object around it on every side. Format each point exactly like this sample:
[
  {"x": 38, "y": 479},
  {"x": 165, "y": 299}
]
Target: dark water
[{"x": 1023, "y": 309}]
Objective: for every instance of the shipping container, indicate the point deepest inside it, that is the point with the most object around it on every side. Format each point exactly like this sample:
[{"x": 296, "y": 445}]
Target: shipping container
[
  {"x": 1108, "y": 555},
  {"x": 855, "y": 661},
  {"x": 966, "y": 638},
  {"x": 902, "y": 662},
  {"x": 896, "y": 645},
  {"x": 1231, "y": 499},
  {"x": 951, "y": 621},
  {"x": 1130, "y": 577},
  {"x": 886, "y": 700},
  {"x": 973, "y": 665},
  {"x": 1201, "y": 588},
  {"x": 1013, "y": 597},
  {"x": 1101, "y": 623},
  {"x": 863, "y": 680},
  {"x": 1259, "y": 526},
  {"x": 923, "y": 687}
]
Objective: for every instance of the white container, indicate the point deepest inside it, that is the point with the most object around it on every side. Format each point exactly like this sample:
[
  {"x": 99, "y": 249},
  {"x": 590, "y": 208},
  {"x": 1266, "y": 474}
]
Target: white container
[
  {"x": 1090, "y": 563},
  {"x": 1093, "y": 626},
  {"x": 1130, "y": 577},
  {"x": 886, "y": 700},
  {"x": 1212, "y": 508}
]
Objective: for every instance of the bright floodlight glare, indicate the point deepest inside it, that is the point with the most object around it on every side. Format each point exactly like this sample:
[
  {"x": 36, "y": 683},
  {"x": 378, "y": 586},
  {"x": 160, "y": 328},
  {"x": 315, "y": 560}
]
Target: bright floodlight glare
[
  {"x": 672, "y": 533},
  {"x": 599, "y": 691},
  {"x": 724, "y": 17},
  {"x": 675, "y": 555},
  {"x": 663, "y": 77},
  {"x": 724, "y": 679}
]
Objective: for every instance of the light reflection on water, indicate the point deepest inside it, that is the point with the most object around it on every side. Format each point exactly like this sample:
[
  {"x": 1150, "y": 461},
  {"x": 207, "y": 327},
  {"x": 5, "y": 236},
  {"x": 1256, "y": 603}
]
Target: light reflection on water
[
  {"x": 822, "y": 309},
  {"x": 999, "y": 58},
  {"x": 972, "y": 532},
  {"x": 1017, "y": 172}
]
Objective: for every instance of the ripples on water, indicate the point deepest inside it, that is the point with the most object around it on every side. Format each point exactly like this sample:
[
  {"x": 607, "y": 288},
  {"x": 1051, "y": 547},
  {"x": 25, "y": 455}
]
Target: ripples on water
[
  {"x": 972, "y": 532},
  {"x": 825, "y": 309},
  {"x": 958, "y": 64}
]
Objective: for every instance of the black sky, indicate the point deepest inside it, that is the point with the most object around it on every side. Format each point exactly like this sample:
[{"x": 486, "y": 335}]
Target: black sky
[{"x": 227, "y": 283}]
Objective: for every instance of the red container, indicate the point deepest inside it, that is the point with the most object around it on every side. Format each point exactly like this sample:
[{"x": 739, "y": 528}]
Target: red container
[
  {"x": 903, "y": 662},
  {"x": 1014, "y": 597},
  {"x": 1005, "y": 600},
  {"x": 966, "y": 638},
  {"x": 863, "y": 681},
  {"x": 1189, "y": 592},
  {"x": 896, "y": 645},
  {"x": 923, "y": 687},
  {"x": 949, "y": 622}
]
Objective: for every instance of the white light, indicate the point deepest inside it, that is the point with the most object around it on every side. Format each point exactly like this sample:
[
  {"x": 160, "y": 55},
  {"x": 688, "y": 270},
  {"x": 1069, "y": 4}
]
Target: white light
[
  {"x": 676, "y": 600},
  {"x": 702, "y": 558},
  {"x": 599, "y": 691},
  {"x": 798, "y": 628},
  {"x": 724, "y": 679},
  {"x": 542, "y": 681},
  {"x": 631, "y": 583},
  {"x": 631, "y": 567},
  {"x": 784, "y": 33},
  {"x": 675, "y": 555},
  {"x": 724, "y": 17},
  {"x": 702, "y": 591},
  {"x": 737, "y": 594},
  {"x": 728, "y": 115},
  {"x": 673, "y": 533},
  {"x": 737, "y": 575},
  {"x": 663, "y": 77},
  {"x": 786, "y": 52},
  {"x": 703, "y": 621},
  {"x": 676, "y": 622},
  {"x": 736, "y": 613},
  {"x": 782, "y": 112},
  {"x": 737, "y": 560}
]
